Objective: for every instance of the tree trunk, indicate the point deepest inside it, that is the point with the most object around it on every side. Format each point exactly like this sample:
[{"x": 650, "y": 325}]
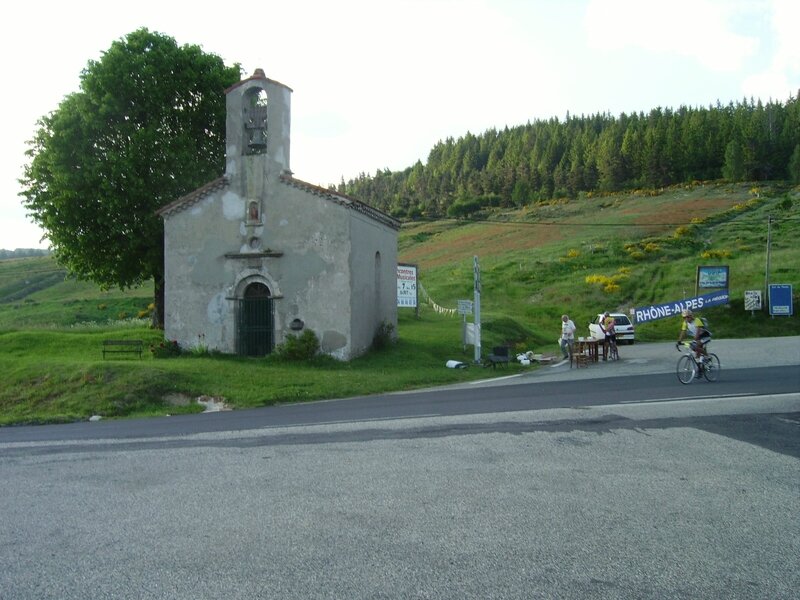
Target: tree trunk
[{"x": 158, "y": 301}]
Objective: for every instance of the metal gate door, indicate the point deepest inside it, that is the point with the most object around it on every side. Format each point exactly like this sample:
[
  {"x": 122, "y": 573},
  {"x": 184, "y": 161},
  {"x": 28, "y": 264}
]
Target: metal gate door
[{"x": 255, "y": 331}]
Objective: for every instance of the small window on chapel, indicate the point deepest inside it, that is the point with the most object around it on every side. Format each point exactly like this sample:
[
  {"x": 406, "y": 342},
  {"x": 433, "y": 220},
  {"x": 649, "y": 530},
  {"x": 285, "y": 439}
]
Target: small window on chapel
[
  {"x": 255, "y": 121},
  {"x": 253, "y": 212}
]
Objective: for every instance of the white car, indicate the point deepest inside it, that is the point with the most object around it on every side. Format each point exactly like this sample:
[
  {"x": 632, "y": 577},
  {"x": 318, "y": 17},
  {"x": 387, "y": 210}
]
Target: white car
[{"x": 622, "y": 325}]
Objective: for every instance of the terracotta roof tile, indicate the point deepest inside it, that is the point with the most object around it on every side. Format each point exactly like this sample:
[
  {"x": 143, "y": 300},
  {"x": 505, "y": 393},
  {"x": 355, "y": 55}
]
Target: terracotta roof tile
[
  {"x": 191, "y": 198},
  {"x": 344, "y": 200}
]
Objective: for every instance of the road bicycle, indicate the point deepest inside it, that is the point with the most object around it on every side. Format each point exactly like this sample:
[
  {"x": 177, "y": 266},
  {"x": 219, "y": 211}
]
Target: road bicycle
[{"x": 691, "y": 367}]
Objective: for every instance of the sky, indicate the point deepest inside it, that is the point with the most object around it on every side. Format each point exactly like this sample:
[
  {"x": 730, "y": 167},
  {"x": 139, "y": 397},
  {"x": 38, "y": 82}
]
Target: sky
[{"x": 377, "y": 83}]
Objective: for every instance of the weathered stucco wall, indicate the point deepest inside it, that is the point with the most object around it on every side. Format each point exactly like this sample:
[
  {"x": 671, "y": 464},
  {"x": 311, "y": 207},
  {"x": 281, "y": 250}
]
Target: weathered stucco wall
[
  {"x": 197, "y": 274},
  {"x": 313, "y": 233},
  {"x": 311, "y": 279},
  {"x": 373, "y": 279}
]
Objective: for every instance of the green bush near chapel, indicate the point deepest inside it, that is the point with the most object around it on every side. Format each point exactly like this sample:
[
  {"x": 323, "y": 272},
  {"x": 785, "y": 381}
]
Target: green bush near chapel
[{"x": 303, "y": 347}]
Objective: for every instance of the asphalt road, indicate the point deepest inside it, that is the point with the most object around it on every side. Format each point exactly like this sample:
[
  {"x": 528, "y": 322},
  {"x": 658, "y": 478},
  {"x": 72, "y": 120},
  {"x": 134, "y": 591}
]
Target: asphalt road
[
  {"x": 645, "y": 373},
  {"x": 646, "y": 488}
]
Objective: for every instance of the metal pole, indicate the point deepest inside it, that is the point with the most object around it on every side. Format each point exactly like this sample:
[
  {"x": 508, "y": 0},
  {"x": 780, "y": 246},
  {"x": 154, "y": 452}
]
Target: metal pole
[
  {"x": 416, "y": 294},
  {"x": 477, "y": 282},
  {"x": 766, "y": 273}
]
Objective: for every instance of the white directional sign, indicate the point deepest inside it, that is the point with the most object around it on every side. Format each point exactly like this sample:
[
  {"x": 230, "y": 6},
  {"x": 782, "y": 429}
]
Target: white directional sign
[
  {"x": 752, "y": 299},
  {"x": 407, "y": 286}
]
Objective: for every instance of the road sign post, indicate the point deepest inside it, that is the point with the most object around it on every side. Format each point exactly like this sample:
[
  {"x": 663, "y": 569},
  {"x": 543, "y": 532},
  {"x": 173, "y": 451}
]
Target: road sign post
[{"x": 477, "y": 285}]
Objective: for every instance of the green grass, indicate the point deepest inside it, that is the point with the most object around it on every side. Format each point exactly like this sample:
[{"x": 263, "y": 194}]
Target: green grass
[
  {"x": 536, "y": 263},
  {"x": 60, "y": 375},
  {"x": 535, "y": 272},
  {"x": 35, "y": 292}
]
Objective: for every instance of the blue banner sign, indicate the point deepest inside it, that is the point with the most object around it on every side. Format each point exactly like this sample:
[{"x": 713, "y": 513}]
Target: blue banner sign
[
  {"x": 654, "y": 312},
  {"x": 780, "y": 299}
]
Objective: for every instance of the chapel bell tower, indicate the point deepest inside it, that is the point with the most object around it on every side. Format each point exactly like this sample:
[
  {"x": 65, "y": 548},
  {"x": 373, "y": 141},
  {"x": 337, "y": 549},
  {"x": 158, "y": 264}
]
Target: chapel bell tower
[{"x": 257, "y": 128}]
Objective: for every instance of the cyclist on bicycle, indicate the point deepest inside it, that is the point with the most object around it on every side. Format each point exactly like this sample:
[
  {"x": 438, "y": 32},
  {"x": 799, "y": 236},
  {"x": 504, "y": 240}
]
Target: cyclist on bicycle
[{"x": 695, "y": 327}]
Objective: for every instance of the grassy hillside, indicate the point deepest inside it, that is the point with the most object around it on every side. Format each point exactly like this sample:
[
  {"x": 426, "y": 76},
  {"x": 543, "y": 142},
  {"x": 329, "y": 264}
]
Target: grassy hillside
[
  {"x": 576, "y": 256},
  {"x": 36, "y": 292},
  {"x": 616, "y": 253}
]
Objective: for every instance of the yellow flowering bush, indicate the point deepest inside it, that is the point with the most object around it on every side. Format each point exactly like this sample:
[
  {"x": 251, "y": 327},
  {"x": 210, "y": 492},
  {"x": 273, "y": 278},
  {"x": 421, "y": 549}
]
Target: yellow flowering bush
[
  {"x": 609, "y": 284},
  {"x": 715, "y": 254},
  {"x": 682, "y": 231}
]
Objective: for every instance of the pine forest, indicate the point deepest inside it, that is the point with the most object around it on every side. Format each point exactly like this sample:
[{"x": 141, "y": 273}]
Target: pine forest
[{"x": 746, "y": 141}]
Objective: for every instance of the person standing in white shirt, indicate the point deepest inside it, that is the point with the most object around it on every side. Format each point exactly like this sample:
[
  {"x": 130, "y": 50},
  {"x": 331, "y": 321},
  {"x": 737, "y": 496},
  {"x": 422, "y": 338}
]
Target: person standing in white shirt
[{"x": 567, "y": 336}]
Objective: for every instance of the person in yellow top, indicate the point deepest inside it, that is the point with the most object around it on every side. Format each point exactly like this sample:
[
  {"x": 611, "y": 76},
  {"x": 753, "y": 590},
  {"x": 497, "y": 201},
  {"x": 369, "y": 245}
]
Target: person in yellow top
[
  {"x": 696, "y": 328},
  {"x": 607, "y": 325}
]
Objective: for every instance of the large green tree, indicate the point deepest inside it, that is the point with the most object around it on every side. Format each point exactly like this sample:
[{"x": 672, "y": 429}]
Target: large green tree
[{"x": 146, "y": 127}]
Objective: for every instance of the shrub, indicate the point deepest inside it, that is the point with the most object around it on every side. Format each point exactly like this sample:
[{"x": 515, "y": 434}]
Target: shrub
[
  {"x": 682, "y": 231},
  {"x": 599, "y": 279},
  {"x": 298, "y": 347},
  {"x": 384, "y": 336},
  {"x": 715, "y": 254},
  {"x": 610, "y": 285},
  {"x": 147, "y": 312},
  {"x": 464, "y": 207},
  {"x": 166, "y": 349}
]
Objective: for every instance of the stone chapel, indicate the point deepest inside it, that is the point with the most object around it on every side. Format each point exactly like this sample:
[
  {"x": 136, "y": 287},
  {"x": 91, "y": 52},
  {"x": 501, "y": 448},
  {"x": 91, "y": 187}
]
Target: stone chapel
[{"x": 257, "y": 254}]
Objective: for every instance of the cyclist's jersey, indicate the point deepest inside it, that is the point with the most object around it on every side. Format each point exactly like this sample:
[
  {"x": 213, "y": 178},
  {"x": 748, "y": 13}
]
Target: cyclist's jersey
[{"x": 693, "y": 326}]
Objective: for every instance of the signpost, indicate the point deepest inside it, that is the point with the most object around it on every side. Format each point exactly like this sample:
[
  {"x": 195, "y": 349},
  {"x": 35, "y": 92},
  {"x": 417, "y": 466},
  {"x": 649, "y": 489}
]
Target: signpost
[
  {"x": 477, "y": 284},
  {"x": 780, "y": 299},
  {"x": 711, "y": 278},
  {"x": 752, "y": 300},
  {"x": 464, "y": 309},
  {"x": 407, "y": 296}
]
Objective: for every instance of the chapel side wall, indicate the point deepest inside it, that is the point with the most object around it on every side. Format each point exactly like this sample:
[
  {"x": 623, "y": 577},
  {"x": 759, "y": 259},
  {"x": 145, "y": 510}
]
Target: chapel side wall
[
  {"x": 198, "y": 278},
  {"x": 313, "y": 233},
  {"x": 374, "y": 298}
]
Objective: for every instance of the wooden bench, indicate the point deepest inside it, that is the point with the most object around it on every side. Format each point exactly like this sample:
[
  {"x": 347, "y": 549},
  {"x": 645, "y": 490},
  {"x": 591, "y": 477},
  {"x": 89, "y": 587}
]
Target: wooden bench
[
  {"x": 123, "y": 347},
  {"x": 499, "y": 356}
]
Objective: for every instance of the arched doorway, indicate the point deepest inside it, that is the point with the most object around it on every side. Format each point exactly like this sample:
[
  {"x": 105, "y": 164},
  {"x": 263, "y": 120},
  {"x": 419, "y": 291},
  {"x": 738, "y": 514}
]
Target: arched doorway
[{"x": 255, "y": 331}]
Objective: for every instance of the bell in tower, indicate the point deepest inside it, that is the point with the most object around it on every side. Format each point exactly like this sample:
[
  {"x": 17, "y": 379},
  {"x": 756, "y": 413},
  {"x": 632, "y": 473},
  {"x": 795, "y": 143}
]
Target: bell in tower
[{"x": 255, "y": 122}]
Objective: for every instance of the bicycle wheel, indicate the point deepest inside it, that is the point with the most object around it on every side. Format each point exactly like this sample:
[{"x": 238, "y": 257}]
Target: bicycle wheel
[
  {"x": 712, "y": 367},
  {"x": 686, "y": 369}
]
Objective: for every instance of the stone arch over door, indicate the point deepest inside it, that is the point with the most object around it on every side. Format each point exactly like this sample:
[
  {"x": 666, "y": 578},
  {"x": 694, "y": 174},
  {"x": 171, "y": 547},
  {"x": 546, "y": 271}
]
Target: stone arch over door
[{"x": 255, "y": 320}]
